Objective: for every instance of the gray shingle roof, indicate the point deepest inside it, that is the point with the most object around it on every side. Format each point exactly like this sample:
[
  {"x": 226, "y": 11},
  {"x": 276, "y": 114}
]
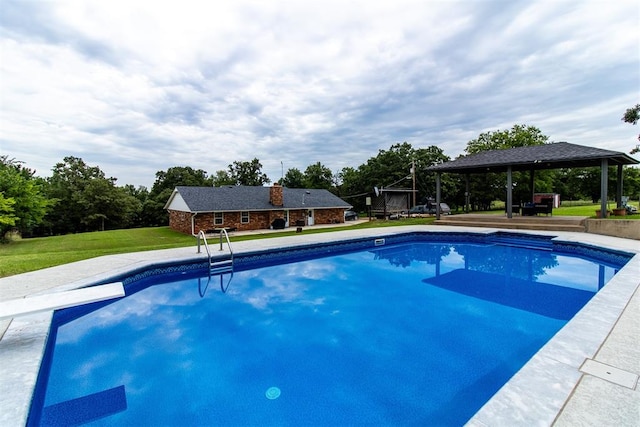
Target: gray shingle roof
[
  {"x": 547, "y": 156},
  {"x": 247, "y": 198}
]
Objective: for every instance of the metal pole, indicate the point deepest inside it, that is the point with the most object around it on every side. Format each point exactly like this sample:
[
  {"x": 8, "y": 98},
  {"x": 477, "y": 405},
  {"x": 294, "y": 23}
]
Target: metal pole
[
  {"x": 604, "y": 179},
  {"x": 438, "y": 195},
  {"x": 413, "y": 175},
  {"x": 532, "y": 184},
  {"x": 384, "y": 200},
  {"x": 509, "y": 193},
  {"x": 467, "y": 196},
  {"x": 619, "y": 188}
]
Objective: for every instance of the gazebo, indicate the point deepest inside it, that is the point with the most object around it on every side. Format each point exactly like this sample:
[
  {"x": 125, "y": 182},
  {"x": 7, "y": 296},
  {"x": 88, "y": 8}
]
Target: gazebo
[{"x": 537, "y": 157}]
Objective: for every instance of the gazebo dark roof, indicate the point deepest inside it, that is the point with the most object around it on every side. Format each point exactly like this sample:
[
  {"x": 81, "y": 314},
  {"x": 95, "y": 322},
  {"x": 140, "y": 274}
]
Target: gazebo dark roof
[{"x": 547, "y": 156}]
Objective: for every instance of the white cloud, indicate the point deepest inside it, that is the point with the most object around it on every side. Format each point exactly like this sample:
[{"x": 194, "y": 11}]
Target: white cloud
[{"x": 136, "y": 87}]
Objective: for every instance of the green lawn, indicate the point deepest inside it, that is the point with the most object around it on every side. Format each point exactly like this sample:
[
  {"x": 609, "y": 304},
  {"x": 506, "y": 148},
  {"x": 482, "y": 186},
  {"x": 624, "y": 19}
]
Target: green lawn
[
  {"x": 571, "y": 209},
  {"x": 23, "y": 255}
]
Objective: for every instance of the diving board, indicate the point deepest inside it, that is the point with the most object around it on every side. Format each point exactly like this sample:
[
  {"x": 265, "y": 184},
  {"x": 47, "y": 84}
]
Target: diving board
[{"x": 31, "y": 305}]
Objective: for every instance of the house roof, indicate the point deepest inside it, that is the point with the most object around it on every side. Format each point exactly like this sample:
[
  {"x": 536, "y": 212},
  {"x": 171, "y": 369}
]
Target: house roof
[
  {"x": 249, "y": 198},
  {"x": 547, "y": 156}
]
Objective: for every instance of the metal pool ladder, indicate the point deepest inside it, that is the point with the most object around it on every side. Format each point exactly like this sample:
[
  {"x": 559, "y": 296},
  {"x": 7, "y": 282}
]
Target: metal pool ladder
[{"x": 221, "y": 265}]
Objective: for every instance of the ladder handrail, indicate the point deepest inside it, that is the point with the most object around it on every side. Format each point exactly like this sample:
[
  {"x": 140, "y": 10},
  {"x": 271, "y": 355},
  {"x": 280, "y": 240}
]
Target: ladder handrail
[
  {"x": 202, "y": 236},
  {"x": 224, "y": 288},
  {"x": 226, "y": 235}
]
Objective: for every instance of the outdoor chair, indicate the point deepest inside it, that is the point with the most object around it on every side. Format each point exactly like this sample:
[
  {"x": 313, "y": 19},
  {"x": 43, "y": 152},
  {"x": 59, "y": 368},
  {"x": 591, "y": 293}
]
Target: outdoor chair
[
  {"x": 630, "y": 209},
  {"x": 515, "y": 209},
  {"x": 545, "y": 207}
]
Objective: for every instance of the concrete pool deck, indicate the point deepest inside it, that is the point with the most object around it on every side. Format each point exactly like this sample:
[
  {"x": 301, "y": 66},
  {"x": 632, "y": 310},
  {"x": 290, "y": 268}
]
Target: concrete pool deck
[{"x": 586, "y": 375}]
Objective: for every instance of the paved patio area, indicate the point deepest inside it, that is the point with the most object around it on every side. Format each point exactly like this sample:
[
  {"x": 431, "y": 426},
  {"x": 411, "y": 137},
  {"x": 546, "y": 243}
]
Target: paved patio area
[{"x": 573, "y": 380}]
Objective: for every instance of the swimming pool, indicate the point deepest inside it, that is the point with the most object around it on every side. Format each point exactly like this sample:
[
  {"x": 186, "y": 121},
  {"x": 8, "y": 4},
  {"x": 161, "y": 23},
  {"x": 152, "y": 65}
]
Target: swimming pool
[{"x": 323, "y": 340}]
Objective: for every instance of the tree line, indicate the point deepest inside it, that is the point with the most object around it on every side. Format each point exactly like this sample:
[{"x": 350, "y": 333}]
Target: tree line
[{"x": 79, "y": 197}]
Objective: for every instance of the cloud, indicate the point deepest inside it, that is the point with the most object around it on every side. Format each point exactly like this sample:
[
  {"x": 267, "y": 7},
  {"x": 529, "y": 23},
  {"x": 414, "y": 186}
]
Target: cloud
[{"x": 136, "y": 87}]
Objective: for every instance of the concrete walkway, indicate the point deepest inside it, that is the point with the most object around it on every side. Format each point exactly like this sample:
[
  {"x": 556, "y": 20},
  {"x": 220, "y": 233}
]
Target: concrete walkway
[{"x": 565, "y": 384}]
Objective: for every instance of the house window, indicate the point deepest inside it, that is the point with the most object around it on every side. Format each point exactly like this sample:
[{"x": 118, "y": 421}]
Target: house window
[
  {"x": 218, "y": 218},
  {"x": 244, "y": 217}
]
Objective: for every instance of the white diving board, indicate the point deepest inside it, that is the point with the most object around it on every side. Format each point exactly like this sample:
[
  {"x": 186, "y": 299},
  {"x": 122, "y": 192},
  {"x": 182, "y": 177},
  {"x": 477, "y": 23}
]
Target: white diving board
[{"x": 30, "y": 305}]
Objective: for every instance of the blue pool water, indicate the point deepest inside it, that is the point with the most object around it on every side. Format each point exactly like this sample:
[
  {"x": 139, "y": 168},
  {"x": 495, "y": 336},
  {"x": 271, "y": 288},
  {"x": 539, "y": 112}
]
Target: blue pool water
[{"x": 416, "y": 333}]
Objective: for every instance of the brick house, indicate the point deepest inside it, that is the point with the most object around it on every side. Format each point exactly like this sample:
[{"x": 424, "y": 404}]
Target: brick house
[{"x": 239, "y": 207}]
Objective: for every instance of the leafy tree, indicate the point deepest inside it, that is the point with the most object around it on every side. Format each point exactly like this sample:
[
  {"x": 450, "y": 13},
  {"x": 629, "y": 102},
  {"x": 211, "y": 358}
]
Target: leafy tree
[
  {"x": 86, "y": 199},
  {"x": 491, "y": 186},
  {"x": 153, "y": 213},
  {"x": 8, "y": 217},
  {"x": 517, "y": 136},
  {"x": 66, "y": 186},
  {"x": 179, "y": 175},
  {"x": 389, "y": 167},
  {"x": 294, "y": 179},
  {"x": 589, "y": 183},
  {"x": 221, "y": 178},
  {"x": 104, "y": 202},
  {"x": 248, "y": 173},
  {"x": 139, "y": 196},
  {"x": 97, "y": 200},
  {"x": 349, "y": 183},
  {"x": 318, "y": 176},
  {"x": 632, "y": 115},
  {"x": 584, "y": 183},
  {"x": 631, "y": 182},
  {"x": 23, "y": 204},
  {"x": 426, "y": 181},
  {"x": 569, "y": 183},
  {"x": 393, "y": 167}
]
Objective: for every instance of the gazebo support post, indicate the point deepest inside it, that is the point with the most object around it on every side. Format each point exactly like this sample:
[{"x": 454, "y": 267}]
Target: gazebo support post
[
  {"x": 509, "y": 192},
  {"x": 467, "y": 196},
  {"x": 619, "y": 188},
  {"x": 604, "y": 178},
  {"x": 532, "y": 183},
  {"x": 438, "y": 195}
]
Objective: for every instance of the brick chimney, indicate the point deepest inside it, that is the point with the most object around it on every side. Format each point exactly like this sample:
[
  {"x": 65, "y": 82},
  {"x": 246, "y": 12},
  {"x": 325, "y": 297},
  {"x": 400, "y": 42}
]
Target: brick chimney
[{"x": 276, "y": 197}]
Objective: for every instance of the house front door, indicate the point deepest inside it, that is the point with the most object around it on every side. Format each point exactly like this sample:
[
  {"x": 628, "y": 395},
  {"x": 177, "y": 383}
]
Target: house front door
[{"x": 310, "y": 220}]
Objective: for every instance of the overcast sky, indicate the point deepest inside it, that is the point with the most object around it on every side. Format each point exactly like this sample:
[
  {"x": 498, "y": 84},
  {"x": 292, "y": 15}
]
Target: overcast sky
[{"x": 137, "y": 87}]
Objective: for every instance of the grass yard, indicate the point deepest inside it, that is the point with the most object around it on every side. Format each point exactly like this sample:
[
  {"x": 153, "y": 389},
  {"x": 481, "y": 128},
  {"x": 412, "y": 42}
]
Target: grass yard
[
  {"x": 588, "y": 210},
  {"x": 24, "y": 255},
  {"x": 571, "y": 209}
]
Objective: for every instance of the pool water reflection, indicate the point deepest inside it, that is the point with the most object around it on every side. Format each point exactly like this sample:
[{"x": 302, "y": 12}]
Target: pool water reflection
[{"x": 419, "y": 333}]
